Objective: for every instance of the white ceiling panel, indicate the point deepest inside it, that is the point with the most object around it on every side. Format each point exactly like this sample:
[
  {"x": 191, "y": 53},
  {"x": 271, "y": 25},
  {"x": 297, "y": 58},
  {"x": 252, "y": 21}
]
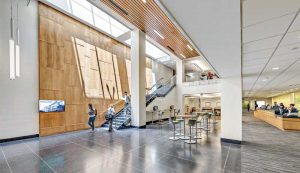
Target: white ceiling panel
[
  {"x": 256, "y": 11},
  {"x": 262, "y": 21},
  {"x": 258, "y": 54},
  {"x": 261, "y": 44},
  {"x": 266, "y": 29},
  {"x": 291, "y": 38}
]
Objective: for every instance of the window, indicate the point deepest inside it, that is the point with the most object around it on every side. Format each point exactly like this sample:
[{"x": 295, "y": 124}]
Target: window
[
  {"x": 93, "y": 15},
  {"x": 261, "y": 103},
  {"x": 149, "y": 75},
  {"x": 82, "y": 10},
  {"x": 149, "y": 81}
]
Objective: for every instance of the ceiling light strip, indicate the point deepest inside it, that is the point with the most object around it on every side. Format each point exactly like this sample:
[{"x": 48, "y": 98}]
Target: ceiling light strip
[
  {"x": 178, "y": 26},
  {"x": 159, "y": 34},
  {"x": 190, "y": 47},
  {"x": 273, "y": 53}
]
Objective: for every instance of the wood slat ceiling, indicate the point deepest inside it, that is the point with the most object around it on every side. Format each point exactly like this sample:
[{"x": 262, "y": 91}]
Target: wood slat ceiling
[{"x": 149, "y": 17}]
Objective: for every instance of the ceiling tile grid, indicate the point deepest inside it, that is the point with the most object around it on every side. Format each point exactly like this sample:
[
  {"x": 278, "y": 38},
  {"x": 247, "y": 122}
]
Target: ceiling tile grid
[{"x": 270, "y": 67}]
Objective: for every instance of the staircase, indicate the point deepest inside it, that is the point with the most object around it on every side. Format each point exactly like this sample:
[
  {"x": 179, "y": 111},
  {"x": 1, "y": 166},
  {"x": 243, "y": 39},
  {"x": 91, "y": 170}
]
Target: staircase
[
  {"x": 121, "y": 120},
  {"x": 161, "y": 91}
]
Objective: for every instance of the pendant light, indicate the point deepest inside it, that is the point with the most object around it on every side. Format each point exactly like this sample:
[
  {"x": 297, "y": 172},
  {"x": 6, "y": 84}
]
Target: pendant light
[
  {"x": 12, "y": 74},
  {"x": 18, "y": 44}
]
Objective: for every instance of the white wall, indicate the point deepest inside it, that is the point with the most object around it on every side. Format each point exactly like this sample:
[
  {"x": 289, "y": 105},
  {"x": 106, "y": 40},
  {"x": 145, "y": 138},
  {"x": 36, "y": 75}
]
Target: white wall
[
  {"x": 213, "y": 101},
  {"x": 194, "y": 88},
  {"x": 19, "y": 98},
  {"x": 163, "y": 104},
  {"x": 215, "y": 28},
  {"x": 161, "y": 71}
]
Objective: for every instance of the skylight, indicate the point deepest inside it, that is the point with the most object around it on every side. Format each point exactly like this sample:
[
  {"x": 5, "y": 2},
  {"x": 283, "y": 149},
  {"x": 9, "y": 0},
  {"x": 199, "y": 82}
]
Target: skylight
[
  {"x": 153, "y": 51},
  {"x": 91, "y": 14}
]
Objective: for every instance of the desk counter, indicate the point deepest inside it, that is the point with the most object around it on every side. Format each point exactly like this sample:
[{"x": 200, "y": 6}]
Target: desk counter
[{"x": 282, "y": 123}]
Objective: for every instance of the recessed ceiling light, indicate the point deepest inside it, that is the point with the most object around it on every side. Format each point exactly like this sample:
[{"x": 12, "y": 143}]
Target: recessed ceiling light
[
  {"x": 159, "y": 34},
  {"x": 265, "y": 79},
  {"x": 182, "y": 55},
  {"x": 275, "y": 68},
  {"x": 144, "y": 1},
  {"x": 190, "y": 47}
]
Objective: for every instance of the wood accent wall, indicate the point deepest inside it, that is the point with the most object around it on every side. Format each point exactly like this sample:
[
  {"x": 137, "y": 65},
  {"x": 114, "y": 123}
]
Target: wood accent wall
[{"x": 61, "y": 71}]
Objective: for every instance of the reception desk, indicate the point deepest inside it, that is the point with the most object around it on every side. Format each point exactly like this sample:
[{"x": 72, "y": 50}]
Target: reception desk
[{"x": 283, "y": 123}]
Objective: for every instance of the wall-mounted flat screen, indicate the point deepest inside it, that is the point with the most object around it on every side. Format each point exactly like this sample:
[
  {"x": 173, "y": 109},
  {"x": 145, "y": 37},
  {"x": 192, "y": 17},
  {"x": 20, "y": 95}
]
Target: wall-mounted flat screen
[{"x": 51, "y": 106}]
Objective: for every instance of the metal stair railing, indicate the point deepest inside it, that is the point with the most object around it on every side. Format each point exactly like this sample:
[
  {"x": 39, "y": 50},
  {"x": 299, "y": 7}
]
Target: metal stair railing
[
  {"x": 127, "y": 110},
  {"x": 171, "y": 82}
]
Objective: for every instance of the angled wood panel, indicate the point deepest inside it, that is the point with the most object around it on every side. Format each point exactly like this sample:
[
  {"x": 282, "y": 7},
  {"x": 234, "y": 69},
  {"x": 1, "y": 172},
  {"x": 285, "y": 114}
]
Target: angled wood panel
[{"x": 69, "y": 52}]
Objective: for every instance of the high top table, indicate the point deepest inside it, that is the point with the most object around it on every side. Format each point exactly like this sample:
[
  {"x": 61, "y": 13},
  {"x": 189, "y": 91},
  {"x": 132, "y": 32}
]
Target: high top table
[{"x": 184, "y": 117}]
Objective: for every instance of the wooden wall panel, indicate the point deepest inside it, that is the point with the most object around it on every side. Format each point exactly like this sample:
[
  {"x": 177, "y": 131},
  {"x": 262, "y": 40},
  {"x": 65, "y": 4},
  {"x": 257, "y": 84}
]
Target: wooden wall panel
[{"x": 69, "y": 71}]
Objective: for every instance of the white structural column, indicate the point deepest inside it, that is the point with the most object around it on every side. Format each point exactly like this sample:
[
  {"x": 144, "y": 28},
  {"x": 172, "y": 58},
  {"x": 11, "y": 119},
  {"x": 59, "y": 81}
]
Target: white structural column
[
  {"x": 231, "y": 106},
  {"x": 138, "y": 78},
  {"x": 179, "y": 81}
]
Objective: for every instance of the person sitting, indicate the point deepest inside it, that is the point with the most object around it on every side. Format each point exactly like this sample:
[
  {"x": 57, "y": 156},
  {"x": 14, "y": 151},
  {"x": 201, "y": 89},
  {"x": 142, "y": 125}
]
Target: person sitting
[
  {"x": 193, "y": 111},
  {"x": 293, "y": 109},
  {"x": 285, "y": 110},
  {"x": 276, "y": 108},
  {"x": 281, "y": 105}
]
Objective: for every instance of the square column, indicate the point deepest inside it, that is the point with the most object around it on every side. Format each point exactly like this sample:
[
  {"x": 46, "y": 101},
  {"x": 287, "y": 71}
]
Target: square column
[
  {"x": 179, "y": 80},
  {"x": 138, "y": 78},
  {"x": 231, "y": 106}
]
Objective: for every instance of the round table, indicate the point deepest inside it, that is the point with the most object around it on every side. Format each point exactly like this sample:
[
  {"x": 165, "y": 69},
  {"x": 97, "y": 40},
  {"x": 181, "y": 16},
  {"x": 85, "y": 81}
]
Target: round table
[{"x": 184, "y": 117}]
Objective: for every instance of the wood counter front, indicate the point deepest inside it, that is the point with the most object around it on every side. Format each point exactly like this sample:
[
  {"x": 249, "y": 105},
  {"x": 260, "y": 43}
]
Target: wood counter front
[{"x": 279, "y": 122}]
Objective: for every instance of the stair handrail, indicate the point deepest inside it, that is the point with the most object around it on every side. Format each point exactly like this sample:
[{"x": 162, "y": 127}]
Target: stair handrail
[
  {"x": 170, "y": 80},
  {"x": 154, "y": 85}
]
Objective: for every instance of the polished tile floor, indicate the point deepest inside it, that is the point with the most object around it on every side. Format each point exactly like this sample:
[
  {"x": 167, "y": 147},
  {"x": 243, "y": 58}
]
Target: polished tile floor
[{"x": 123, "y": 151}]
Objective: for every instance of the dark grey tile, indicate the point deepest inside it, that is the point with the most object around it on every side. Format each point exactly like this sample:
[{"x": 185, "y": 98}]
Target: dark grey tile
[
  {"x": 157, "y": 167},
  {"x": 15, "y": 149},
  {"x": 4, "y": 168},
  {"x": 183, "y": 165},
  {"x": 28, "y": 163},
  {"x": 110, "y": 166},
  {"x": 233, "y": 162}
]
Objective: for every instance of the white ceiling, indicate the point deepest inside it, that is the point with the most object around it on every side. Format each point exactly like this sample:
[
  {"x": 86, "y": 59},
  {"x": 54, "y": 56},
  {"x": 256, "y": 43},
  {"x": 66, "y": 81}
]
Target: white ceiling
[
  {"x": 265, "y": 46},
  {"x": 212, "y": 25}
]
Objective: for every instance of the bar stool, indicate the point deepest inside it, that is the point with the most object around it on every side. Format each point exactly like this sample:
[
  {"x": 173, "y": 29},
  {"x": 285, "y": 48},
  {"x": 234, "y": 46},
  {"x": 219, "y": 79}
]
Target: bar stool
[
  {"x": 180, "y": 122},
  {"x": 174, "y": 122},
  {"x": 171, "y": 110},
  {"x": 198, "y": 128},
  {"x": 206, "y": 123},
  {"x": 160, "y": 121},
  {"x": 191, "y": 123}
]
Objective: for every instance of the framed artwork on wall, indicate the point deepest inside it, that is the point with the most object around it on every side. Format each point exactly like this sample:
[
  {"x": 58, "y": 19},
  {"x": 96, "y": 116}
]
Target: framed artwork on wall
[{"x": 207, "y": 104}]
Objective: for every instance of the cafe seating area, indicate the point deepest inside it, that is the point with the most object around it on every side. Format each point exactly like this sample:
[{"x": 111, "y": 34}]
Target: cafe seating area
[{"x": 188, "y": 128}]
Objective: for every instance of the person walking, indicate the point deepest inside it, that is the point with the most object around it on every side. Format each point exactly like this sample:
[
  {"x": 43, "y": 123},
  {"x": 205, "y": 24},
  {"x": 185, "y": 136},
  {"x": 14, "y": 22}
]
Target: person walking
[
  {"x": 248, "y": 107},
  {"x": 127, "y": 103},
  {"x": 92, "y": 116},
  {"x": 255, "y": 105},
  {"x": 110, "y": 112},
  {"x": 127, "y": 99}
]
